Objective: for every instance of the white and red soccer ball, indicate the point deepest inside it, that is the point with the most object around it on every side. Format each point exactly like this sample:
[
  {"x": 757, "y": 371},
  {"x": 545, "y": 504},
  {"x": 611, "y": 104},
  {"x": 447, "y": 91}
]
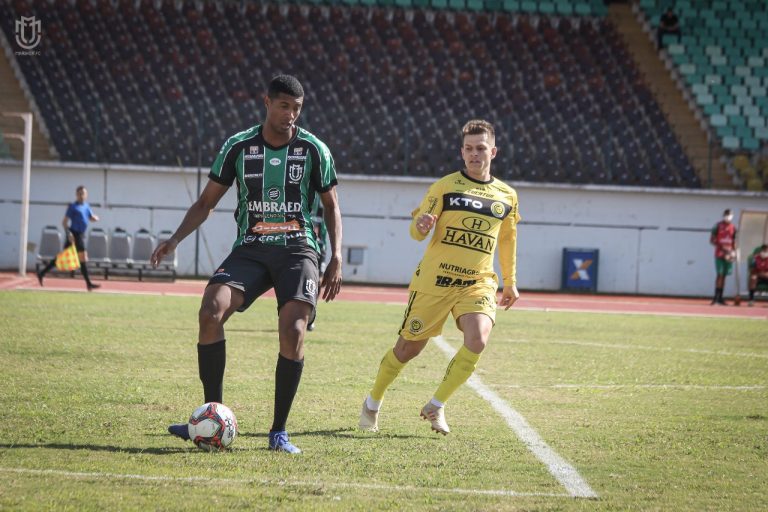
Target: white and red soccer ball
[{"x": 212, "y": 427}]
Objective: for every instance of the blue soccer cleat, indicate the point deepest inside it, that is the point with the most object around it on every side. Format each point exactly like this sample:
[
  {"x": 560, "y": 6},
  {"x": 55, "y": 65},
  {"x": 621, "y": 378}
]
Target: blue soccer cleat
[
  {"x": 278, "y": 441},
  {"x": 180, "y": 430}
]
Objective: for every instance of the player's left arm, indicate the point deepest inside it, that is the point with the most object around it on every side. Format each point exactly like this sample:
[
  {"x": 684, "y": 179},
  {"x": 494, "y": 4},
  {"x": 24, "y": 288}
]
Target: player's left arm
[
  {"x": 92, "y": 216},
  {"x": 508, "y": 257},
  {"x": 331, "y": 283}
]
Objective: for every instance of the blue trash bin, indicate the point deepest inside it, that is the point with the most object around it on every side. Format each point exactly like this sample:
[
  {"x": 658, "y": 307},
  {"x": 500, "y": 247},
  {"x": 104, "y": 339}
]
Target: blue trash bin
[{"x": 580, "y": 269}]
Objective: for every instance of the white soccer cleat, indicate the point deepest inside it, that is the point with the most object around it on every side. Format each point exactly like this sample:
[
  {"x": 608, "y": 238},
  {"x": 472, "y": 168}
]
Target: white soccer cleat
[
  {"x": 369, "y": 419},
  {"x": 436, "y": 415}
]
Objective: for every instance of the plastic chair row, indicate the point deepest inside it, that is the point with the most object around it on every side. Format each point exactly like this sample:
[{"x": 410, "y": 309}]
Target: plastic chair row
[{"x": 115, "y": 253}]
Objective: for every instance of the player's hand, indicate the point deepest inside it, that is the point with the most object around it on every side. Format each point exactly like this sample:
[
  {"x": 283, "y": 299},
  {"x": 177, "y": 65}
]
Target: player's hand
[
  {"x": 425, "y": 222},
  {"x": 509, "y": 296},
  {"x": 331, "y": 283},
  {"x": 162, "y": 250},
  {"x": 70, "y": 237}
]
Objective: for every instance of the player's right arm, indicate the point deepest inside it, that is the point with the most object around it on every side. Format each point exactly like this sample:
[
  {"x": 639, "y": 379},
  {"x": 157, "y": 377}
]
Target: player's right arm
[
  {"x": 425, "y": 216},
  {"x": 195, "y": 216}
]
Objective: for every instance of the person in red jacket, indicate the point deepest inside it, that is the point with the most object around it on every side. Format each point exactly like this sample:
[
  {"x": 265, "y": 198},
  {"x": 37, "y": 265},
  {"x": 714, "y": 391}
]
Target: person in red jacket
[
  {"x": 723, "y": 237},
  {"x": 758, "y": 272}
]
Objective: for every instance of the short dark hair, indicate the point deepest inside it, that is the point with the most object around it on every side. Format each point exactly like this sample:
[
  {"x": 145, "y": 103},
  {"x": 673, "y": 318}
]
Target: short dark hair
[
  {"x": 81, "y": 187},
  {"x": 727, "y": 212},
  {"x": 477, "y": 127},
  {"x": 285, "y": 84}
]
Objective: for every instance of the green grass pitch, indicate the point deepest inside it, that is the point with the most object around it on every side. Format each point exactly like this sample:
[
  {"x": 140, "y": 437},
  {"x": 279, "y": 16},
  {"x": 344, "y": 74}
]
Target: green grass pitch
[{"x": 655, "y": 413}]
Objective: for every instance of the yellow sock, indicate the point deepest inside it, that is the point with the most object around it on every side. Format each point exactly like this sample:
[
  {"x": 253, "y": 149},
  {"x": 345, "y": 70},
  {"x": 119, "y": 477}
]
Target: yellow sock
[
  {"x": 459, "y": 370},
  {"x": 389, "y": 369}
]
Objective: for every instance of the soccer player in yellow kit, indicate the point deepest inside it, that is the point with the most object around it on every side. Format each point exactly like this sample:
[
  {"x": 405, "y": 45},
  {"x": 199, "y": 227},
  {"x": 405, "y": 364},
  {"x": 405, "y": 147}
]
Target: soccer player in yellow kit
[{"x": 472, "y": 213}]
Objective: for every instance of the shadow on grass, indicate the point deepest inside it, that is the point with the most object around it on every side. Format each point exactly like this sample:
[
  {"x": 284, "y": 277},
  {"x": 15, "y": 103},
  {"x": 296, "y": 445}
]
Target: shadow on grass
[
  {"x": 98, "y": 448},
  {"x": 346, "y": 432}
]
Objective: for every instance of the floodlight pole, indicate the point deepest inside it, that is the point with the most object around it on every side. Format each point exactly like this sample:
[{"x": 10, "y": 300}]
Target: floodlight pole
[{"x": 26, "y": 139}]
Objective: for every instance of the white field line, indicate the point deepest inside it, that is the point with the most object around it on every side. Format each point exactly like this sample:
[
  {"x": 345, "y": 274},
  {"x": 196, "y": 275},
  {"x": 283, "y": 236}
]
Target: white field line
[
  {"x": 620, "y": 346},
  {"x": 587, "y": 309},
  {"x": 557, "y": 466},
  {"x": 755, "y": 387},
  {"x": 276, "y": 483}
]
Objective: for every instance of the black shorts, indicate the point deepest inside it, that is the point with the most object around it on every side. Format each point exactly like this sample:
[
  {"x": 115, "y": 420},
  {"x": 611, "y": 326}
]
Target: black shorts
[
  {"x": 254, "y": 269},
  {"x": 79, "y": 244}
]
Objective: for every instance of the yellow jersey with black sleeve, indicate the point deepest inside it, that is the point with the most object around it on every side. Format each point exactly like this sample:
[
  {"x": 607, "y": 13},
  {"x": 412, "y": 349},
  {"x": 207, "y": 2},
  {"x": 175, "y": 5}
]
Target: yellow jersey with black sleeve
[{"x": 474, "y": 219}]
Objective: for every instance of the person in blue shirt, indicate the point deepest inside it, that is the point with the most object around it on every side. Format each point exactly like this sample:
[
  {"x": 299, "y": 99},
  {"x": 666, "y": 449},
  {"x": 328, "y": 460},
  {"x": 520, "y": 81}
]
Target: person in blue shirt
[{"x": 75, "y": 223}]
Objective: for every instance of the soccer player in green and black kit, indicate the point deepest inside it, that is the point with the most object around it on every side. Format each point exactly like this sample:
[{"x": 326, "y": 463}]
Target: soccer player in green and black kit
[{"x": 279, "y": 169}]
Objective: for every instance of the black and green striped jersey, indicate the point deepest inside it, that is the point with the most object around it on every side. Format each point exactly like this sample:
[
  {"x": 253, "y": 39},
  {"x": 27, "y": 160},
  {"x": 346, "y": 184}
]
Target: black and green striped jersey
[{"x": 276, "y": 187}]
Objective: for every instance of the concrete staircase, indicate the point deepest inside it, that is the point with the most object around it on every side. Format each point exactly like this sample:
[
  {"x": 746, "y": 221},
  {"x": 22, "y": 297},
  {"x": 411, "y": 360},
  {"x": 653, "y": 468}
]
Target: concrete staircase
[
  {"x": 12, "y": 99},
  {"x": 683, "y": 121}
]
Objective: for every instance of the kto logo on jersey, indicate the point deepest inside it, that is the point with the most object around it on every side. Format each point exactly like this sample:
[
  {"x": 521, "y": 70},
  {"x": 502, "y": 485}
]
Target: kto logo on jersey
[
  {"x": 469, "y": 240},
  {"x": 476, "y": 224},
  {"x": 273, "y": 193},
  {"x": 275, "y": 161},
  {"x": 311, "y": 287},
  {"x": 465, "y": 202},
  {"x": 295, "y": 172},
  {"x": 448, "y": 282}
]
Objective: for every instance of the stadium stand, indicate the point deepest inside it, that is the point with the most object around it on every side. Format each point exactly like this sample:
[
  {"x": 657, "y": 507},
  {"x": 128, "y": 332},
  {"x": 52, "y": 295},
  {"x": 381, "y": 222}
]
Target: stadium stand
[
  {"x": 721, "y": 62},
  {"x": 155, "y": 82}
]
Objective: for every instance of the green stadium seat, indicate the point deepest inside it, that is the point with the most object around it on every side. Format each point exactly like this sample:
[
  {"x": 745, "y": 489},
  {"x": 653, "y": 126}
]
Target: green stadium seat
[
  {"x": 744, "y": 101},
  {"x": 564, "y": 8},
  {"x": 730, "y": 142},
  {"x": 529, "y": 6},
  {"x": 512, "y": 5},
  {"x": 756, "y": 122},
  {"x": 582, "y": 9},
  {"x": 675, "y": 49},
  {"x": 458, "y": 5},
  {"x": 700, "y": 89},
  {"x": 712, "y": 110},
  {"x": 547, "y": 8},
  {"x": 761, "y": 133},
  {"x": 705, "y": 99},
  {"x": 440, "y": 4},
  {"x": 718, "y": 60},
  {"x": 756, "y": 62},
  {"x": 758, "y": 91},
  {"x": 751, "y": 111},
  {"x": 718, "y": 120},
  {"x": 725, "y": 131},
  {"x": 752, "y": 81},
  {"x": 475, "y": 5},
  {"x": 713, "y": 50},
  {"x": 750, "y": 143},
  {"x": 743, "y": 71},
  {"x": 731, "y": 110},
  {"x": 687, "y": 69},
  {"x": 713, "y": 79}
]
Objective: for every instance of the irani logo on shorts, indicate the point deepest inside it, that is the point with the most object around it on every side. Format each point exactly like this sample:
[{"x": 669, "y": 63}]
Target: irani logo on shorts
[{"x": 311, "y": 287}]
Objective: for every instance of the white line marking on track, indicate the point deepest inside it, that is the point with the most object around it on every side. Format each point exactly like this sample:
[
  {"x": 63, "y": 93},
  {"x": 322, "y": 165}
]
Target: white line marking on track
[
  {"x": 276, "y": 483},
  {"x": 557, "y": 466},
  {"x": 755, "y": 387},
  {"x": 621, "y": 346}
]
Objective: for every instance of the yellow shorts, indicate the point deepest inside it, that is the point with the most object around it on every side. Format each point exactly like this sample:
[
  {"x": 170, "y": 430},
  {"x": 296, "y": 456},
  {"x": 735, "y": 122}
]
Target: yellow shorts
[{"x": 425, "y": 314}]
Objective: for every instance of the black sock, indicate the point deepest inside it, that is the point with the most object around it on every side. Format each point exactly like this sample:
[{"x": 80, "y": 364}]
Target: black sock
[
  {"x": 84, "y": 271},
  {"x": 48, "y": 267},
  {"x": 751, "y": 294},
  {"x": 719, "y": 294},
  {"x": 287, "y": 378},
  {"x": 211, "y": 360}
]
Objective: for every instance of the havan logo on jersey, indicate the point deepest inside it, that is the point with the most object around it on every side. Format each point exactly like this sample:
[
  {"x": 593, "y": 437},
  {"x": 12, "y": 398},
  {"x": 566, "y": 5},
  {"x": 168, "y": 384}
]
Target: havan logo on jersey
[
  {"x": 469, "y": 240},
  {"x": 468, "y": 203}
]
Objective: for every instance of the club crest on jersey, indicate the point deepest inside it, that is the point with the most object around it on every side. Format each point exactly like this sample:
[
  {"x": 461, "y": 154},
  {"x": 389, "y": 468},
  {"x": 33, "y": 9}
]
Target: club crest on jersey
[
  {"x": 311, "y": 287},
  {"x": 298, "y": 151},
  {"x": 416, "y": 325},
  {"x": 497, "y": 209},
  {"x": 295, "y": 172},
  {"x": 254, "y": 150}
]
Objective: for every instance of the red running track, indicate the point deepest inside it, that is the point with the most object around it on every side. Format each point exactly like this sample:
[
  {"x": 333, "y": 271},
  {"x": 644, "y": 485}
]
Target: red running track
[{"x": 537, "y": 301}]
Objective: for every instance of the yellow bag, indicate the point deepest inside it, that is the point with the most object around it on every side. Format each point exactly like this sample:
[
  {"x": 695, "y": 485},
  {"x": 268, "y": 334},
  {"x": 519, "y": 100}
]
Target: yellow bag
[{"x": 67, "y": 259}]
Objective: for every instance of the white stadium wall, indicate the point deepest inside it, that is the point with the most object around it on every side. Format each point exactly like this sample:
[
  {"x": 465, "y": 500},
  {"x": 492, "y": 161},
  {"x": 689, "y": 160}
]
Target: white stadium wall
[{"x": 651, "y": 241}]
